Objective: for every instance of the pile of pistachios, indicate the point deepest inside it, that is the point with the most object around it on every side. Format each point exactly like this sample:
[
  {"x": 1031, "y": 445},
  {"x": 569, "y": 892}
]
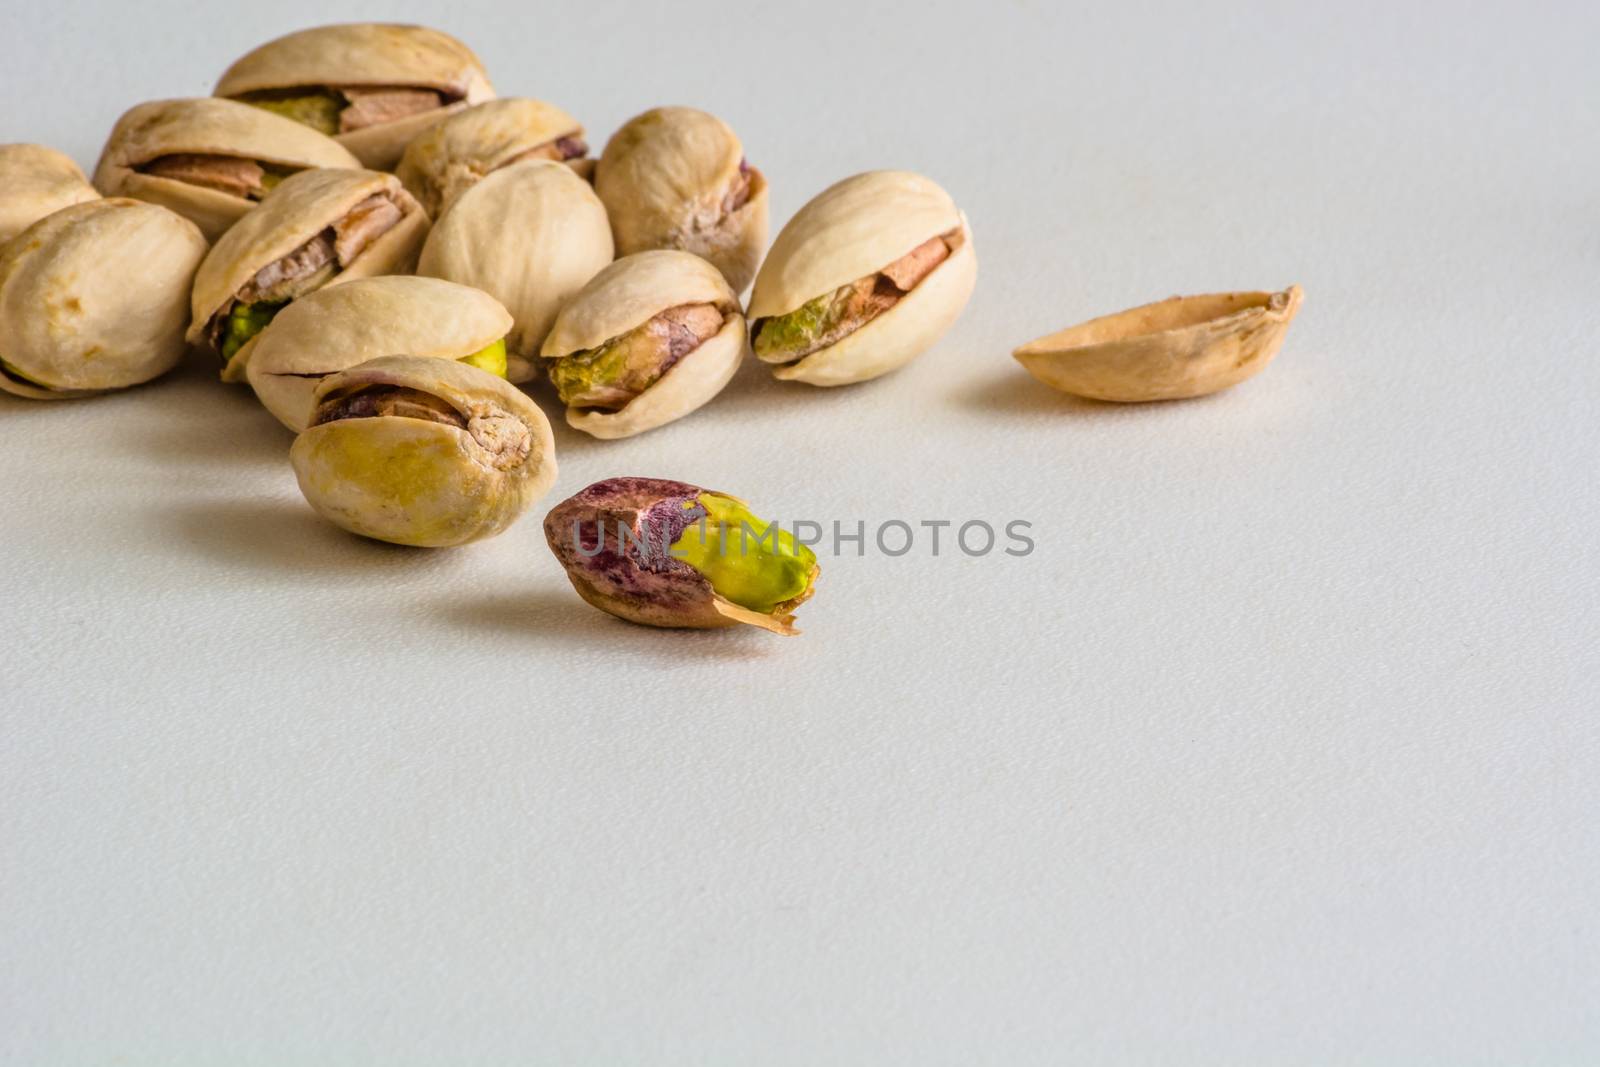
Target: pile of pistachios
[{"x": 386, "y": 253}]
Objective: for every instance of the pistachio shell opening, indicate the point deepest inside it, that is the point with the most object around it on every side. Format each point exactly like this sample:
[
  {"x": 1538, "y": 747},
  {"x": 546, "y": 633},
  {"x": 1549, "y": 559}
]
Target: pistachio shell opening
[
  {"x": 340, "y": 327},
  {"x": 36, "y": 181},
  {"x": 208, "y": 159},
  {"x": 1171, "y": 350},
  {"x": 373, "y": 86},
  {"x": 424, "y": 452},
  {"x": 93, "y": 297},
  {"x": 670, "y": 554},
  {"x": 455, "y": 154}
]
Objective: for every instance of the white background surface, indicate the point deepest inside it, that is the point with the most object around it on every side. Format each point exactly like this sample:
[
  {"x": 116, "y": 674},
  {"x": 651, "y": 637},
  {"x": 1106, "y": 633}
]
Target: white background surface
[{"x": 1281, "y": 748}]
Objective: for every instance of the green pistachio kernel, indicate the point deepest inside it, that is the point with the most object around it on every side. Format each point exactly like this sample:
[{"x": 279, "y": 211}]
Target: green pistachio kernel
[
  {"x": 795, "y": 331},
  {"x": 272, "y": 174},
  {"x": 759, "y": 570},
  {"x": 491, "y": 359},
  {"x": 318, "y": 109},
  {"x": 244, "y": 322}
]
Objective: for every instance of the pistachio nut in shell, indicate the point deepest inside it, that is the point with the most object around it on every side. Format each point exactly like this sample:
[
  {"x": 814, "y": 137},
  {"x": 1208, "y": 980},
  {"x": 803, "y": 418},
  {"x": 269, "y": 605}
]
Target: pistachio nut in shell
[
  {"x": 1182, "y": 347},
  {"x": 671, "y": 554},
  {"x": 862, "y": 280},
  {"x": 530, "y": 235},
  {"x": 453, "y": 155},
  {"x": 34, "y": 181},
  {"x": 210, "y": 160},
  {"x": 371, "y": 86},
  {"x": 94, "y": 297},
  {"x": 424, "y": 452},
  {"x": 650, "y": 338},
  {"x": 337, "y": 328},
  {"x": 317, "y": 228},
  {"x": 675, "y": 177}
]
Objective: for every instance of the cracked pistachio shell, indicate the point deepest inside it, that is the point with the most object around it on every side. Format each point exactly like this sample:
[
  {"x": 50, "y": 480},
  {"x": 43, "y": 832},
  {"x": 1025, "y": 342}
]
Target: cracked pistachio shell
[
  {"x": 530, "y": 235},
  {"x": 663, "y": 177},
  {"x": 1182, "y": 347},
  {"x": 94, "y": 297},
  {"x": 366, "y": 54},
  {"x": 35, "y": 181},
  {"x": 340, "y": 327},
  {"x": 852, "y": 230},
  {"x": 206, "y": 126},
  {"x": 626, "y": 295},
  {"x": 302, "y": 206},
  {"x": 454, "y": 155},
  {"x": 659, "y": 589},
  {"x": 412, "y": 481}
]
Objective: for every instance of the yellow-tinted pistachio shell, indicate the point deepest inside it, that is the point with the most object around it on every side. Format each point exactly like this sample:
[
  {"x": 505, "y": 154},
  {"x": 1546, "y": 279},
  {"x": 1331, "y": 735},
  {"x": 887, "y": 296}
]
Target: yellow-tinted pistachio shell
[
  {"x": 340, "y": 327},
  {"x": 454, "y": 155},
  {"x": 530, "y": 235},
  {"x": 416, "y": 482},
  {"x": 297, "y": 210},
  {"x": 94, "y": 297},
  {"x": 206, "y": 126},
  {"x": 663, "y": 178},
  {"x": 626, "y": 295},
  {"x": 367, "y": 54},
  {"x": 1177, "y": 348},
  {"x": 35, "y": 181},
  {"x": 853, "y": 230}
]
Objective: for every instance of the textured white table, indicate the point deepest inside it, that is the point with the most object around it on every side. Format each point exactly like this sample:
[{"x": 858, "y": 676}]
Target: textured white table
[{"x": 1281, "y": 748}]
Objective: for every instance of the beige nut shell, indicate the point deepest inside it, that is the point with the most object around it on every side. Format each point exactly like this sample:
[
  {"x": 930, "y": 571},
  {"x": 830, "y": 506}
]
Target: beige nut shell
[
  {"x": 662, "y": 178},
  {"x": 1170, "y": 350},
  {"x": 36, "y": 180},
  {"x": 415, "y": 482},
  {"x": 336, "y": 328},
  {"x": 207, "y": 126},
  {"x": 453, "y": 155},
  {"x": 366, "y": 54},
  {"x": 854, "y": 229},
  {"x": 626, "y": 295},
  {"x": 297, "y": 210},
  {"x": 94, "y": 297},
  {"x": 530, "y": 235}
]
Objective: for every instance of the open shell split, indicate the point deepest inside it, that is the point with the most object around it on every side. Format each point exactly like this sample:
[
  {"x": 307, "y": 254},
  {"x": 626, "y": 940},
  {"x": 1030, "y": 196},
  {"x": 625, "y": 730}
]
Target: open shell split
[{"x": 1185, "y": 346}]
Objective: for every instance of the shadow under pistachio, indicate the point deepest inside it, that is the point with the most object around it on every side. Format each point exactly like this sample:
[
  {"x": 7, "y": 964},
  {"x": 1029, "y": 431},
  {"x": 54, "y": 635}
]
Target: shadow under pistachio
[
  {"x": 1014, "y": 392},
  {"x": 558, "y": 615}
]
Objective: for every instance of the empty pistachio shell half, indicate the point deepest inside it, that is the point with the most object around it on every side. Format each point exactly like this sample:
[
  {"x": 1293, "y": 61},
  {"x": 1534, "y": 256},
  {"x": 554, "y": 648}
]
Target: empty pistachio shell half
[
  {"x": 862, "y": 280},
  {"x": 334, "y": 329},
  {"x": 209, "y": 160},
  {"x": 35, "y": 181},
  {"x": 94, "y": 297},
  {"x": 665, "y": 553},
  {"x": 1181, "y": 347},
  {"x": 649, "y": 339},
  {"x": 675, "y": 177},
  {"x": 425, "y": 452},
  {"x": 317, "y": 228},
  {"x": 454, "y": 155},
  {"x": 530, "y": 235},
  {"x": 372, "y": 86}
]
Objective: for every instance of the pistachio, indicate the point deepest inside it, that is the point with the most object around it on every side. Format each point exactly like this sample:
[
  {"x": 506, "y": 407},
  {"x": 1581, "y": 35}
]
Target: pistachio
[
  {"x": 666, "y": 553},
  {"x": 372, "y": 86},
  {"x": 453, "y": 155},
  {"x": 530, "y": 235},
  {"x": 650, "y": 338},
  {"x": 675, "y": 177},
  {"x": 35, "y": 181},
  {"x": 1178, "y": 348},
  {"x": 93, "y": 297},
  {"x": 421, "y": 451},
  {"x": 317, "y": 228},
  {"x": 337, "y": 328},
  {"x": 862, "y": 280},
  {"x": 209, "y": 160}
]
